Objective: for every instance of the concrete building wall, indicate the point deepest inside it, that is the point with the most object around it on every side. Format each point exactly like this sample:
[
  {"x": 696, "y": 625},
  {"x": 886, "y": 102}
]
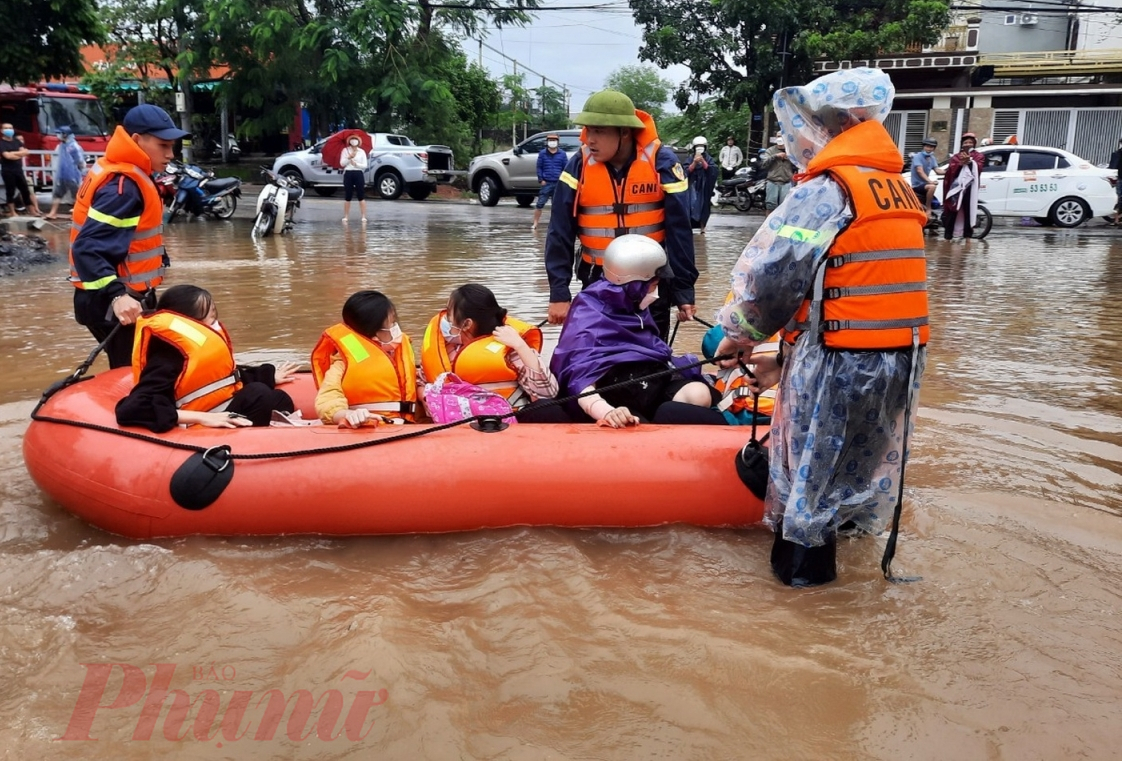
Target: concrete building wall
[
  {"x": 1100, "y": 31},
  {"x": 1050, "y": 32}
]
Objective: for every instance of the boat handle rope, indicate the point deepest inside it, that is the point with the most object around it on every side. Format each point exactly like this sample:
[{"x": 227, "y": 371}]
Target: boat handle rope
[{"x": 485, "y": 423}]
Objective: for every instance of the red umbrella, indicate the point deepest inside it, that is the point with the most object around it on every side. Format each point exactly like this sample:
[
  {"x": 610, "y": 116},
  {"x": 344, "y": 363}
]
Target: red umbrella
[{"x": 335, "y": 144}]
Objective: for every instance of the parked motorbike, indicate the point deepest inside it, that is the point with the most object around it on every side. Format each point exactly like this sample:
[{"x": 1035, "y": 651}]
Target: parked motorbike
[
  {"x": 233, "y": 150},
  {"x": 276, "y": 204},
  {"x": 738, "y": 191},
  {"x": 200, "y": 192},
  {"x": 167, "y": 184}
]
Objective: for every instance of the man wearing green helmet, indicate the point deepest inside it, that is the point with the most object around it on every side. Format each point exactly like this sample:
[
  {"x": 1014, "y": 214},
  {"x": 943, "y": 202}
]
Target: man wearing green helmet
[{"x": 623, "y": 181}]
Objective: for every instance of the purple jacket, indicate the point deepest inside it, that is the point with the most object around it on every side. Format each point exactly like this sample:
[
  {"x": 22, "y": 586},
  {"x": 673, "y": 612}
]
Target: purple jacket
[{"x": 605, "y": 328}]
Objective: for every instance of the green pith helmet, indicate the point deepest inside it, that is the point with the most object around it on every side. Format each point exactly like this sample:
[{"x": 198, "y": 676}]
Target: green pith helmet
[{"x": 609, "y": 108}]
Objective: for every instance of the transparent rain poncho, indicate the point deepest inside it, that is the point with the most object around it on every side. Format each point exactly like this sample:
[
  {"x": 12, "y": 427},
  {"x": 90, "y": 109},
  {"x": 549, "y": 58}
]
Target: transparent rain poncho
[{"x": 837, "y": 449}]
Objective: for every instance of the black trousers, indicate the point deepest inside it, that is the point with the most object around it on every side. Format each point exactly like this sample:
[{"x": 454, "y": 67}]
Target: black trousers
[
  {"x": 660, "y": 310},
  {"x": 15, "y": 185},
  {"x": 94, "y": 309},
  {"x": 257, "y": 401}
]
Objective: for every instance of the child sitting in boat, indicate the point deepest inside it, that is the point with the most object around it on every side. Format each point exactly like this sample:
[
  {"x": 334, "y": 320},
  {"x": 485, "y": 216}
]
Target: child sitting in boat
[
  {"x": 743, "y": 395},
  {"x": 477, "y": 340},
  {"x": 609, "y": 337},
  {"x": 185, "y": 374},
  {"x": 364, "y": 366}
]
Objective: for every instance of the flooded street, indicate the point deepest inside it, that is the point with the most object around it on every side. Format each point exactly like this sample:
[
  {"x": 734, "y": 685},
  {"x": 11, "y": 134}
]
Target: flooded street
[{"x": 529, "y": 644}]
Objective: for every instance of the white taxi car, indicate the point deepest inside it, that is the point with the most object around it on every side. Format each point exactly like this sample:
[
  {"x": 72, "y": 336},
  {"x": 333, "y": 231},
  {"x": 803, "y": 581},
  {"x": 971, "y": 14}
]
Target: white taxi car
[{"x": 1051, "y": 185}]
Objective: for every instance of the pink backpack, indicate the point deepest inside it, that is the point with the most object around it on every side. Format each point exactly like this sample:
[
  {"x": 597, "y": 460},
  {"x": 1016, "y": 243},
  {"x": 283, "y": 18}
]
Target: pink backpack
[{"x": 449, "y": 399}]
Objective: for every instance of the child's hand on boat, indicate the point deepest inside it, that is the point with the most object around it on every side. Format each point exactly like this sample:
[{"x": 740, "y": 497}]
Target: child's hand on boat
[
  {"x": 619, "y": 417},
  {"x": 214, "y": 419},
  {"x": 285, "y": 372},
  {"x": 356, "y": 419}
]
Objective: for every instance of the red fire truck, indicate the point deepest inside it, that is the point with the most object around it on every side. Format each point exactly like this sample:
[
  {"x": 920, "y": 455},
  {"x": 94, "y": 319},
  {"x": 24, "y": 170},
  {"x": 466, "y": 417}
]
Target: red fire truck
[{"x": 37, "y": 112}]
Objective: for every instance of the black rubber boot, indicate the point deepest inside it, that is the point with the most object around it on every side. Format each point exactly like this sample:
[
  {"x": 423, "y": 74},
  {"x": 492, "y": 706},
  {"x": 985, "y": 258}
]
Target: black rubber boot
[{"x": 799, "y": 566}]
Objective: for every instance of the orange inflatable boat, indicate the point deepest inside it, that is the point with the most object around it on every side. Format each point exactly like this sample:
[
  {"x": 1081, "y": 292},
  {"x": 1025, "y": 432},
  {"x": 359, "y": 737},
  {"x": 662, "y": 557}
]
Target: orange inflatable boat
[{"x": 456, "y": 479}]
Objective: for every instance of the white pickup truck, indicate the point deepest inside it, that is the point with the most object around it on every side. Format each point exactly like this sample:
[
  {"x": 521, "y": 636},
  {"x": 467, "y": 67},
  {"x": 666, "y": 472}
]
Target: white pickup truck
[{"x": 396, "y": 165}]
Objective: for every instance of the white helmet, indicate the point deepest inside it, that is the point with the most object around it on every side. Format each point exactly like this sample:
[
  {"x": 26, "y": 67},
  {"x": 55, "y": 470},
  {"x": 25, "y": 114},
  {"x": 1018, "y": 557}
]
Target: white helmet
[
  {"x": 634, "y": 257},
  {"x": 699, "y": 140}
]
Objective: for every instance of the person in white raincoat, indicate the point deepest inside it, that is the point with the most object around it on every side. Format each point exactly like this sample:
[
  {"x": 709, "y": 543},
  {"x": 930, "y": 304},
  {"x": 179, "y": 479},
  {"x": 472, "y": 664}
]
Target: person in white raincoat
[{"x": 838, "y": 445}]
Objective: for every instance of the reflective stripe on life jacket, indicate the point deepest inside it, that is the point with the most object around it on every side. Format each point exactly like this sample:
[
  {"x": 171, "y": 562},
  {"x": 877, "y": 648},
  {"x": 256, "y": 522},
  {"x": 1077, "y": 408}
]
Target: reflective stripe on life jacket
[
  {"x": 143, "y": 267},
  {"x": 870, "y": 289},
  {"x": 484, "y": 362},
  {"x": 371, "y": 378},
  {"x": 209, "y": 378},
  {"x": 606, "y": 209}
]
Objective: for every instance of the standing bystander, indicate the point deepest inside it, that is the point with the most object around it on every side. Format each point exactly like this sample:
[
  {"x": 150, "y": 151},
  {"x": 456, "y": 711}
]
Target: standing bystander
[
  {"x": 12, "y": 151},
  {"x": 551, "y": 163},
  {"x": 780, "y": 171},
  {"x": 730, "y": 157},
  {"x": 70, "y": 166}
]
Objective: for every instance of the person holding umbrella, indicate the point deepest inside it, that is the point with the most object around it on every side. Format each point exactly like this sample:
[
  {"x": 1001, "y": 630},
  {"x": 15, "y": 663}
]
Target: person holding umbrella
[
  {"x": 352, "y": 160},
  {"x": 349, "y": 151}
]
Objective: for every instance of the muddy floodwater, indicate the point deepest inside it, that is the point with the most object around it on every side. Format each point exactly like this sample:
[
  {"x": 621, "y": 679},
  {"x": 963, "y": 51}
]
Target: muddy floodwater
[{"x": 529, "y": 644}]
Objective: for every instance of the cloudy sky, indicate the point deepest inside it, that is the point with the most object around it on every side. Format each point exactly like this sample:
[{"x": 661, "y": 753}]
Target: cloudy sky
[{"x": 577, "y": 48}]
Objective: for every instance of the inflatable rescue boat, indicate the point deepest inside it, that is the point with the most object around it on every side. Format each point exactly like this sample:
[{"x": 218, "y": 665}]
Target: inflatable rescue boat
[{"x": 389, "y": 480}]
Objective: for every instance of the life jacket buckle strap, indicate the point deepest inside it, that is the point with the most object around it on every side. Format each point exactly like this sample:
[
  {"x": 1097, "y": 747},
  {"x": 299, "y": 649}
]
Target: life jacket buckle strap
[{"x": 833, "y": 293}]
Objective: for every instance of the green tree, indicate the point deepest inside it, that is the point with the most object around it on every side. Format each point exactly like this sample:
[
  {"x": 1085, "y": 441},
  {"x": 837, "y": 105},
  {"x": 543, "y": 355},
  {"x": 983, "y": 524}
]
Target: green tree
[
  {"x": 643, "y": 85},
  {"x": 43, "y": 39},
  {"x": 740, "y": 51},
  {"x": 708, "y": 118},
  {"x": 551, "y": 108},
  {"x": 375, "y": 63}
]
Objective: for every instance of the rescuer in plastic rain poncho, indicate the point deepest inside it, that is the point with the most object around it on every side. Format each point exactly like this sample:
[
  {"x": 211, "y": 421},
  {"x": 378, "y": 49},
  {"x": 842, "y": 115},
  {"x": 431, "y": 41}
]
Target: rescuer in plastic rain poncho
[{"x": 840, "y": 266}]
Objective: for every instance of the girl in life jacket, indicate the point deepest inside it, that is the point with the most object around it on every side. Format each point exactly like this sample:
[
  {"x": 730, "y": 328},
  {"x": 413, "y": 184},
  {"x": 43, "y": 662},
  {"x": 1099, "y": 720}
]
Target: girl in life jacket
[
  {"x": 185, "y": 374},
  {"x": 364, "y": 366},
  {"x": 475, "y": 339}
]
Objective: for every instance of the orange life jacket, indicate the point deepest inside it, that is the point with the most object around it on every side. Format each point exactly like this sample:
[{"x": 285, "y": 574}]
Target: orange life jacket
[
  {"x": 484, "y": 362},
  {"x": 372, "y": 380},
  {"x": 606, "y": 210},
  {"x": 210, "y": 376},
  {"x": 732, "y": 383},
  {"x": 143, "y": 267},
  {"x": 870, "y": 289}
]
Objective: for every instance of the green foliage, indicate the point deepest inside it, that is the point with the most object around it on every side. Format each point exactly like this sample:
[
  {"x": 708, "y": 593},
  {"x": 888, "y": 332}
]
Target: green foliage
[
  {"x": 385, "y": 65},
  {"x": 740, "y": 51},
  {"x": 43, "y": 38},
  {"x": 708, "y": 118},
  {"x": 643, "y": 85}
]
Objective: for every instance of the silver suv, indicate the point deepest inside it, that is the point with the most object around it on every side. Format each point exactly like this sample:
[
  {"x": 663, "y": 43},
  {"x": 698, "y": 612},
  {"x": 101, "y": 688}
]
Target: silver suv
[
  {"x": 515, "y": 172},
  {"x": 396, "y": 165}
]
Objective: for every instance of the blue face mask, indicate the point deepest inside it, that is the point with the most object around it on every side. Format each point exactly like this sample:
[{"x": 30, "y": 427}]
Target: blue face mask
[
  {"x": 9, "y": 133},
  {"x": 446, "y": 329}
]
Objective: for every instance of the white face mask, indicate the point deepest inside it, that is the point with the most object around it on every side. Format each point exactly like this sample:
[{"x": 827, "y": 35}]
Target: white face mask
[
  {"x": 354, "y": 143},
  {"x": 551, "y": 143},
  {"x": 216, "y": 325},
  {"x": 395, "y": 336},
  {"x": 649, "y": 299}
]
